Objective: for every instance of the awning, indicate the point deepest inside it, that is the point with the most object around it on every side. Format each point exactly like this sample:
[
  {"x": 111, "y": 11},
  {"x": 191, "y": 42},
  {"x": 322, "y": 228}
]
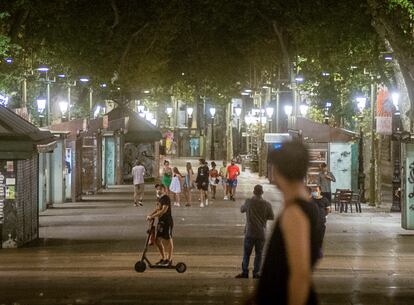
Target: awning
[
  {"x": 136, "y": 129},
  {"x": 18, "y": 137},
  {"x": 322, "y": 133}
]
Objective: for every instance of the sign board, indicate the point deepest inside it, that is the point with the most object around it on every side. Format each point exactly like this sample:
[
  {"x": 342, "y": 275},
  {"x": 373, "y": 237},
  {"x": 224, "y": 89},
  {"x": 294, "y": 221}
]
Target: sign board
[
  {"x": 407, "y": 215},
  {"x": 277, "y": 137},
  {"x": 384, "y": 112},
  {"x": 105, "y": 122}
]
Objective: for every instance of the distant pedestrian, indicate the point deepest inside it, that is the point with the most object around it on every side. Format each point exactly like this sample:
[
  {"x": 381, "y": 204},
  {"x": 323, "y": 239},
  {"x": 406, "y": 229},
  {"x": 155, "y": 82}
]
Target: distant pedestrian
[
  {"x": 223, "y": 177},
  {"x": 202, "y": 182},
  {"x": 324, "y": 207},
  {"x": 138, "y": 172},
  {"x": 164, "y": 226},
  {"x": 166, "y": 175},
  {"x": 258, "y": 212},
  {"x": 233, "y": 172},
  {"x": 286, "y": 276},
  {"x": 175, "y": 186},
  {"x": 188, "y": 183},
  {"x": 213, "y": 179},
  {"x": 325, "y": 178}
]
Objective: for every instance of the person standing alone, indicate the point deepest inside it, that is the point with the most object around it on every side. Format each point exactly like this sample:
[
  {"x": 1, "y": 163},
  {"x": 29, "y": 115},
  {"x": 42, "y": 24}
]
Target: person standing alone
[
  {"x": 324, "y": 181},
  {"x": 202, "y": 182},
  {"x": 138, "y": 172},
  {"x": 258, "y": 212}
]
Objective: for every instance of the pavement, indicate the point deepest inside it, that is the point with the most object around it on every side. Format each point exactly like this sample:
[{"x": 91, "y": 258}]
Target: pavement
[{"x": 87, "y": 251}]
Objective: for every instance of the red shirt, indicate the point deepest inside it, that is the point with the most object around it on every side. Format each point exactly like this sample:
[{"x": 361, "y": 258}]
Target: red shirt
[{"x": 233, "y": 171}]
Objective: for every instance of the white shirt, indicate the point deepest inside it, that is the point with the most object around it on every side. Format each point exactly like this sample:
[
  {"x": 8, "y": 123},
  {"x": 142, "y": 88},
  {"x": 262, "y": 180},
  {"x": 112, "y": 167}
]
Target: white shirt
[{"x": 138, "y": 172}]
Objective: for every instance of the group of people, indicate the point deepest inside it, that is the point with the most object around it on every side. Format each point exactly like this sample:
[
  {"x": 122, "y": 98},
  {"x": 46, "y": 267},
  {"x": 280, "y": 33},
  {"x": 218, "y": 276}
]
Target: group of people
[
  {"x": 206, "y": 179},
  {"x": 295, "y": 244}
]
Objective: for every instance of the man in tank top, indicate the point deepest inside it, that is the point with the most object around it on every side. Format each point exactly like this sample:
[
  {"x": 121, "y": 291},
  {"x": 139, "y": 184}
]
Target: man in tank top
[{"x": 286, "y": 276}]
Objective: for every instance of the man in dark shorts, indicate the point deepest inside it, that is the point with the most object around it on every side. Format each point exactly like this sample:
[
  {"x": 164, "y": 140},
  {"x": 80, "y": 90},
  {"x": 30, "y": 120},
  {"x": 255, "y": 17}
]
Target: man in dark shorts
[
  {"x": 294, "y": 245},
  {"x": 202, "y": 182},
  {"x": 164, "y": 226},
  {"x": 233, "y": 172}
]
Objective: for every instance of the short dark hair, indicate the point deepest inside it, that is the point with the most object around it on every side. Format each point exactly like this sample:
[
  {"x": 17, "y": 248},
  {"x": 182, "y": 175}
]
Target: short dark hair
[
  {"x": 291, "y": 160},
  {"x": 258, "y": 190},
  {"x": 323, "y": 165},
  {"x": 202, "y": 161},
  {"x": 160, "y": 185}
]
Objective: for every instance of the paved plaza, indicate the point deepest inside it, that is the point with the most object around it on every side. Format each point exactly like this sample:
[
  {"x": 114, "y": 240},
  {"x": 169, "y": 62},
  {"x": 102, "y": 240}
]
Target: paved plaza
[{"x": 87, "y": 251}]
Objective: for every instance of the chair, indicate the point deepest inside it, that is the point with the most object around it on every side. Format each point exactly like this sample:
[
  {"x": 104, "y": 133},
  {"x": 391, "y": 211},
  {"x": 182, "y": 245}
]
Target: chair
[
  {"x": 345, "y": 199},
  {"x": 357, "y": 201},
  {"x": 336, "y": 197}
]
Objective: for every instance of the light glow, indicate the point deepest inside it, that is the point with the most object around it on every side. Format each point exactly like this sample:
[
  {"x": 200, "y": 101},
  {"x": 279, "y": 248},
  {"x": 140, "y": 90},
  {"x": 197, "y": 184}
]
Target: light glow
[
  {"x": 269, "y": 112},
  {"x": 238, "y": 111},
  {"x": 190, "y": 111},
  {"x": 288, "y": 110},
  {"x": 169, "y": 111},
  {"x": 212, "y": 112},
  {"x": 63, "y": 106},
  {"x": 41, "y": 105},
  {"x": 304, "y": 109}
]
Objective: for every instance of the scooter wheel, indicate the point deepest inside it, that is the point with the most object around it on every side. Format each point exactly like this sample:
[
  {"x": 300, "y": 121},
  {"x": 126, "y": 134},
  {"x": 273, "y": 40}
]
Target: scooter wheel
[
  {"x": 181, "y": 267},
  {"x": 140, "y": 266}
]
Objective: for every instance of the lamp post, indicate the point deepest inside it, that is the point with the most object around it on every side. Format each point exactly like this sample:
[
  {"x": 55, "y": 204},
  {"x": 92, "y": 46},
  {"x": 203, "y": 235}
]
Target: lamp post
[
  {"x": 41, "y": 106},
  {"x": 303, "y": 108},
  {"x": 48, "y": 81},
  {"x": 361, "y": 104},
  {"x": 269, "y": 113},
  {"x": 396, "y": 152},
  {"x": 288, "y": 112},
  {"x": 190, "y": 111},
  {"x": 213, "y": 113},
  {"x": 328, "y": 106},
  {"x": 85, "y": 80},
  {"x": 169, "y": 111},
  {"x": 237, "y": 112},
  {"x": 63, "y": 106},
  {"x": 372, "y": 168}
]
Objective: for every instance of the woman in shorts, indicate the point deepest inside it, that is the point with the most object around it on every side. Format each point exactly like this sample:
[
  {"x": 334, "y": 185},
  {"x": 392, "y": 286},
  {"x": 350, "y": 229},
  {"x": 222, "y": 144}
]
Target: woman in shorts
[
  {"x": 188, "y": 184},
  {"x": 213, "y": 179}
]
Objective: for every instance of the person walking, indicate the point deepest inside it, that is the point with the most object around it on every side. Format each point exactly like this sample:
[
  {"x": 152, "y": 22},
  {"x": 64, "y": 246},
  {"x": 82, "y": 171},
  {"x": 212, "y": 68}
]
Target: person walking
[
  {"x": 175, "y": 186},
  {"x": 188, "y": 184},
  {"x": 223, "y": 177},
  {"x": 164, "y": 226},
  {"x": 325, "y": 178},
  {"x": 258, "y": 212},
  {"x": 202, "y": 182},
  {"x": 233, "y": 172},
  {"x": 213, "y": 179},
  {"x": 294, "y": 245},
  {"x": 166, "y": 175},
  {"x": 138, "y": 172}
]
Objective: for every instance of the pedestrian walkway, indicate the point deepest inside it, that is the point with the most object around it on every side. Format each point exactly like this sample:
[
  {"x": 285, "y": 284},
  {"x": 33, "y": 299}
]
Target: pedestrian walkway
[{"x": 87, "y": 251}]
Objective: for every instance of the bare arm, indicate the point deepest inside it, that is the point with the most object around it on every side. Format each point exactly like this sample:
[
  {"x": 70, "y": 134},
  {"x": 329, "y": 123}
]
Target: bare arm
[
  {"x": 296, "y": 232},
  {"x": 158, "y": 212}
]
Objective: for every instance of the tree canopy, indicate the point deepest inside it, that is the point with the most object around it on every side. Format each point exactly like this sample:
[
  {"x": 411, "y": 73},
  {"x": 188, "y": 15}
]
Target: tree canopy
[{"x": 211, "y": 47}]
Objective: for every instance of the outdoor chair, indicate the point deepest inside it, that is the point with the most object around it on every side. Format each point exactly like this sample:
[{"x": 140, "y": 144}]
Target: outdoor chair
[
  {"x": 345, "y": 200},
  {"x": 357, "y": 202},
  {"x": 336, "y": 197}
]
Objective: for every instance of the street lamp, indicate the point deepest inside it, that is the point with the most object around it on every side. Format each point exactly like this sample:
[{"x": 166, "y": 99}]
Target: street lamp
[
  {"x": 269, "y": 113},
  {"x": 169, "y": 111},
  {"x": 395, "y": 100},
  {"x": 396, "y": 153},
  {"x": 43, "y": 68},
  {"x": 41, "y": 106},
  {"x": 213, "y": 113},
  {"x": 328, "y": 106},
  {"x": 190, "y": 111},
  {"x": 63, "y": 106},
  {"x": 304, "y": 109},
  {"x": 361, "y": 104},
  {"x": 288, "y": 110}
]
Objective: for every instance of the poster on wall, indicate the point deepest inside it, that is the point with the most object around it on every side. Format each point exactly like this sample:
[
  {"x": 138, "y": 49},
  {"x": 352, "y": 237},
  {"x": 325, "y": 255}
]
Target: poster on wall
[
  {"x": 2, "y": 197},
  {"x": 408, "y": 205}
]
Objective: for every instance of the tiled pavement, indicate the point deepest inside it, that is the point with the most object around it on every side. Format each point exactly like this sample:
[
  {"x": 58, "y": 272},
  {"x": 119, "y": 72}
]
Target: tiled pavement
[{"x": 87, "y": 252}]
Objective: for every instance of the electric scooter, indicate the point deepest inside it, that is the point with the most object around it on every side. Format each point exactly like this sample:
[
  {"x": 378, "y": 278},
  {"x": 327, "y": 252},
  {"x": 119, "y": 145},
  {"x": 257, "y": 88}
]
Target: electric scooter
[{"x": 141, "y": 265}]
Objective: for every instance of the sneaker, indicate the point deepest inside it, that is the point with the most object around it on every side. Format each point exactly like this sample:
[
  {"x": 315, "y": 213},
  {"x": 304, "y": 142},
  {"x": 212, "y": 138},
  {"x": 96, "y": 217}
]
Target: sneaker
[
  {"x": 226, "y": 198},
  {"x": 187, "y": 205},
  {"x": 140, "y": 203},
  {"x": 166, "y": 263},
  {"x": 135, "y": 204},
  {"x": 242, "y": 276},
  {"x": 159, "y": 263},
  {"x": 177, "y": 204},
  {"x": 201, "y": 205},
  {"x": 206, "y": 202}
]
